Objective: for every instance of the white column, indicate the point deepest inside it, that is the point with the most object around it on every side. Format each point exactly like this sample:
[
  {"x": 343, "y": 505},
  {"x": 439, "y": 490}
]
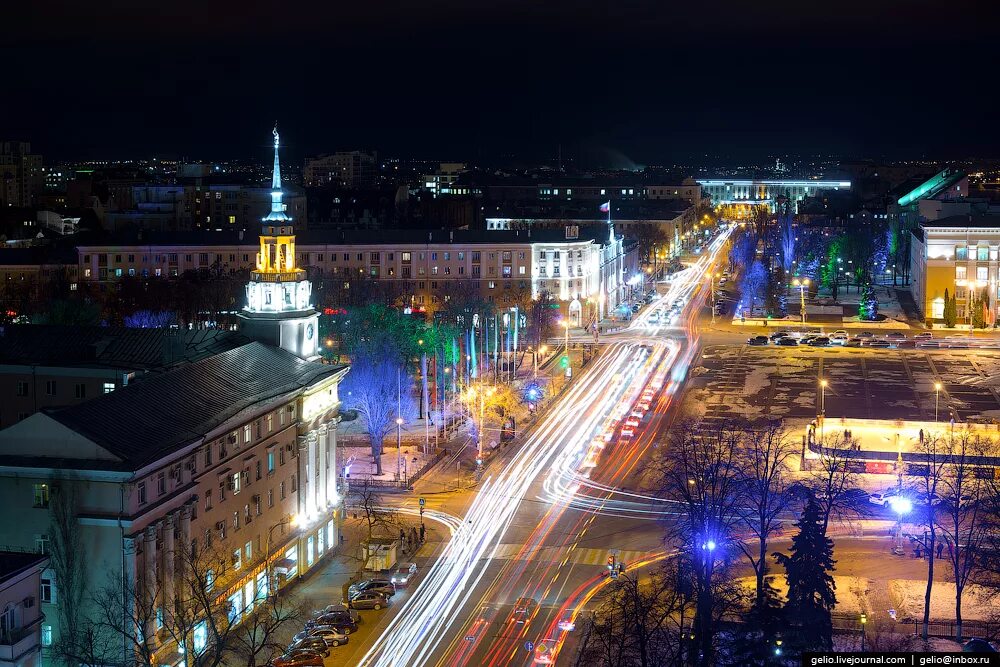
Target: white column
[
  {"x": 323, "y": 495},
  {"x": 167, "y": 589},
  {"x": 309, "y": 476},
  {"x": 130, "y": 577},
  {"x": 332, "y": 492},
  {"x": 149, "y": 587}
]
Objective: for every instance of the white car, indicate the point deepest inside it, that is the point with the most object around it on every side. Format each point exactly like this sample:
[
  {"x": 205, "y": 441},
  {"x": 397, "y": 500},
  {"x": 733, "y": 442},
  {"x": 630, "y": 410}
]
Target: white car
[{"x": 839, "y": 339}]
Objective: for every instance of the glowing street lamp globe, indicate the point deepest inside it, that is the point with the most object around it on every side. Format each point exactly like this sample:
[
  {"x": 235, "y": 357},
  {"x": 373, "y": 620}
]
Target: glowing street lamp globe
[{"x": 901, "y": 505}]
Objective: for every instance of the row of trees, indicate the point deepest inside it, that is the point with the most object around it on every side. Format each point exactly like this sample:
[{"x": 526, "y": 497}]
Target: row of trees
[{"x": 734, "y": 494}]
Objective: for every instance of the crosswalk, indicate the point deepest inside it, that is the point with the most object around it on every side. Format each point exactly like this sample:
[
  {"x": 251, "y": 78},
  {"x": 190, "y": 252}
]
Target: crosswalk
[{"x": 577, "y": 556}]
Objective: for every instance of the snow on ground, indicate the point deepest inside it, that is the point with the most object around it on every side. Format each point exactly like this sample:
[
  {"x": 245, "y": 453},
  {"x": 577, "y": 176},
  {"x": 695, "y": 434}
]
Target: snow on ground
[
  {"x": 908, "y": 595},
  {"x": 851, "y": 591}
]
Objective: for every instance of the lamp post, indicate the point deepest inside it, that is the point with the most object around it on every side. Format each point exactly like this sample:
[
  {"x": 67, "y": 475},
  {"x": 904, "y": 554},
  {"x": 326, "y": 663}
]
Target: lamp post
[
  {"x": 937, "y": 396},
  {"x": 802, "y": 284},
  {"x": 822, "y": 408},
  {"x": 565, "y": 324},
  {"x": 399, "y": 449},
  {"x": 864, "y": 621},
  {"x": 900, "y": 506},
  {"x": 711, "y": 279},
  {"x": 295, "y": 520}
]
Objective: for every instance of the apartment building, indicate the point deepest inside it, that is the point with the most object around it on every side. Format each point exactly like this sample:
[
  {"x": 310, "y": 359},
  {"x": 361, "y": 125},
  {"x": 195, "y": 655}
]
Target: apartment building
[
  {"x": 958, "y": 254},
  {"x": 504, "y": 266},
  {"x": 23, "y": 627},
  {"x": 222, "y": 452}
]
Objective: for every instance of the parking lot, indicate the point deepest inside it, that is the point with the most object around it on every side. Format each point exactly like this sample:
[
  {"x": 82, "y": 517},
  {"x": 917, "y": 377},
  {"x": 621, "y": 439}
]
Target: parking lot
[{"x": 753, "y": 382}]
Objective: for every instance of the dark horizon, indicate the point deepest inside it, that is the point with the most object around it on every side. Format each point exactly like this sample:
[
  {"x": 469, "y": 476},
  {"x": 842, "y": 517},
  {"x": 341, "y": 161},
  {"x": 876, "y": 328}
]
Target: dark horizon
[{"x": 617, "y": 85}]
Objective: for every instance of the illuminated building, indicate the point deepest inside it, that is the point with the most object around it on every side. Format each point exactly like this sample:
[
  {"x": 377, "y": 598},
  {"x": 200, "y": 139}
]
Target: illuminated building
[{"x": 765, "y": 192}]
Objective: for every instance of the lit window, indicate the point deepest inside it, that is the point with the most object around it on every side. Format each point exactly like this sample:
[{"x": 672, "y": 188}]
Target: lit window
[
  {"x": 982, "y": 273},
  {"x": 41, "y": 492},
  {"x": 46, "y": 635},
  {"x": 46, "y": 590},
  {"x": 109, "y": 387},
  {"x": 960, "y": 273}
]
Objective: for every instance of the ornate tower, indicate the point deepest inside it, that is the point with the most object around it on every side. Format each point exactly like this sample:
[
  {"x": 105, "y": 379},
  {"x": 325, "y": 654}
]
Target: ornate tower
[{"x": 279, "y": 309}]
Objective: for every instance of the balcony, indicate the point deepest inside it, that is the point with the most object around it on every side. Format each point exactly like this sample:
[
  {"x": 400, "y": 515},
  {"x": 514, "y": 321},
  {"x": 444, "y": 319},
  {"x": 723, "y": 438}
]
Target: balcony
[{"x": 15, "y": 644}]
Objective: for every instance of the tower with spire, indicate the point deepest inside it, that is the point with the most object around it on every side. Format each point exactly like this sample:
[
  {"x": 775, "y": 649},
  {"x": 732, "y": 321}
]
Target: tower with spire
[{"x": 279, "y": 308}]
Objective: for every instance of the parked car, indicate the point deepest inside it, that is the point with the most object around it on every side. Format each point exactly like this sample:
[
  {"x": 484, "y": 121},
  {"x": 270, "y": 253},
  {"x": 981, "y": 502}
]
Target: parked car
[
  {"x": 854, "y": 342},
  {"x": 300, "y": 660},
  {"x": 329, "y": 634},
  {"x": 840, "y": 332},
  {"x": 379, "y": 585},
  {"x": 866, "y": 334},
  {"x": 369, "y": 600},
  {"x": 335, "y": 608},
  {"x": 523, "y": 608},
  {"x": 875, "y": 342},
  {"x": 315, "y": 644},
  {"x": 403, "y": 573},
  {"x": 923, "y": 335},
  {"x": 758, "y": 340},
  {"x": 787, "y": 341},
  {"x": 343, "y": 621},
  {"x": 895, "y": 335},
  {"x": 819, "y": 341},
  {"x": 883, "y": 498}
]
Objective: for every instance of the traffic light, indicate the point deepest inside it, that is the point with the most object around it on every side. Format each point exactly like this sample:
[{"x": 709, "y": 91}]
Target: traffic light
[
  {"x": 564, "y": 361},
  {"x": 611, "y": 561}
]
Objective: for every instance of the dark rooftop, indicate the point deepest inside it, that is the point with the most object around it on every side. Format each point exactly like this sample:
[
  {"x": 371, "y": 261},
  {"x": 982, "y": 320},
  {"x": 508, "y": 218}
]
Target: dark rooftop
[
  {"x": 147, "y": 419},
  {"x": 597, "y": 232},
  {"x": 13, "y": 563},
  {"x": 111, "y": 347}
]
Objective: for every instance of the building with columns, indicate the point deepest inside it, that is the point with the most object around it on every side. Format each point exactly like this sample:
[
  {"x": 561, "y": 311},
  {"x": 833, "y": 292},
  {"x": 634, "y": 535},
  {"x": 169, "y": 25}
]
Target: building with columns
[{"x": 231, "y": 454}]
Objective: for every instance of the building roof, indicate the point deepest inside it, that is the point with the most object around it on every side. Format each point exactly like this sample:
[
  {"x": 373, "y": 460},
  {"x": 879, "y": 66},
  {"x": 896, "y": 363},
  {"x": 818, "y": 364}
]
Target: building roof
[
  {"x": 151, "y": 417},
  {"x": 13, "y": 563},
  {"x": 388, "y": 237},
  {"x": 927, "y": 188},
  {"x": 962, "y": 221},
  {"x": 589, "y": 211},
  {"x": 37, "y": 255},
  {"x": 112, "y": 347}
]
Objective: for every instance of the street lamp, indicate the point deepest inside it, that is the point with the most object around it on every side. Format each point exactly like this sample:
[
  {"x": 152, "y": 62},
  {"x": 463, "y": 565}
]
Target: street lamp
[
  {"x": 295, "y": 520},
  {"x": 864, "y": 621},
  {"x": 802, "y": 284},
  {"x": 937, "y": 396},
  {"x": 711, "y": 279},
  {"x": 900, "y": 506},
  {"x": 565, "y": 324},
  {"x": 399, "y": 449},
  {"x": 822, "y": 408}
]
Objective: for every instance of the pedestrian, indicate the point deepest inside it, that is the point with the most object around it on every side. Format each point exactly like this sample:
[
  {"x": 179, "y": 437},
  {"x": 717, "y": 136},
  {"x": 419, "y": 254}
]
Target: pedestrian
[
  {"x": 421, "y": 533},
  {"x": 921, "y": 435},
  {"x": 916, "y": 552},
  {"x": 940, "y": 548}
]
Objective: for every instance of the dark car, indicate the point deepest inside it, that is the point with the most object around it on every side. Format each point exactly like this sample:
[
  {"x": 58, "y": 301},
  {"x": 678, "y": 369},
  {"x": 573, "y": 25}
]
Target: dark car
[
  {"x": 306, "y": 644},
  {"x": 866, "y": 334},
  {"x": 757, "y": 340},
  {"x": 875, "y": 342},
  {"x": 895, "y": 335},
  {"x": 340, "y": 620},
  {"x": 780, "y": 334},
  {"x": 369, "y": 600},
  {"x": 819, "y": 341},
  {"x": 523, "y": 608},
  {"x": 299, "y": 660},
  {"x": 853, "y": 342},
  {"x": 788, "y": 341}
]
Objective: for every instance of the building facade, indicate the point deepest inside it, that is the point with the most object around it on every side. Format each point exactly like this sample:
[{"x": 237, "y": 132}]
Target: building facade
[
  {"x": 752, "y": 192},
  {"x": 21, "y": 175},
  {"x": 353, "y": 170},
  {"x": 958, "y": 254},
  {"x": 23, "y": 627}
]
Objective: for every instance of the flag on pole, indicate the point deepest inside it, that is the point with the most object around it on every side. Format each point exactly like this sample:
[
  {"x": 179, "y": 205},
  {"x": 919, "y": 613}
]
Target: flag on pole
[{"x": 606, "y": 207}]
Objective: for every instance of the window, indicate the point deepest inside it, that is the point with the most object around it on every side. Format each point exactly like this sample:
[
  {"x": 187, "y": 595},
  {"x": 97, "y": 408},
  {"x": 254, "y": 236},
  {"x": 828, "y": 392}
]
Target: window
[
  {"x": 295, "y": 485},
  {"x": 237, "y": 559},
  {"x": 141, "y": 493},
  {"x": 405, "y": 257},
  {"x": 46, "y": 590},
  {"x": 42, "y": 544},
  {"x": 476, "y": 256},
  {"x": 41, "y": 492},
  {"x": 960, "y": 272},
  {"x": 270, "y": 423},
  {"x": 46, "y": 635},
  {"x": 234, "y": 483},
  {"x": 281, "y": 456},
  {"x": 246, "y": 433},
  {"x": 983, "y": 253},
  {"x": 270, "y": 461},
  {"x": 208, "y": 456},
  {"x": 208, "y": 500},
  {"x": 256, "y": 505},
  {"x": 236, "y": 520},
  {"x": 258, "y": 470},
  {"x": 109, "y": 387},
  {"x": 282, "y": 490},
  {"x": 248, "y": 551},
  {"x": 961, "y": 252},
  {"x": 22, "y": 388},
  {"x": 270, "y": 497},
  {"x": 161, "y": 483},
  {"x": 246, "y": 513},
  {"x": 982, "y": 273},
  {"x": 80, "y": 390},
  {"x": 50, "y": 387},
  {"x": 222, "y": 490}
]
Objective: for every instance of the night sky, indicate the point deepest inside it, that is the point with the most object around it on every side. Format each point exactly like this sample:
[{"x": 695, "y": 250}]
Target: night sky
[{"x": 615, "y": 82}]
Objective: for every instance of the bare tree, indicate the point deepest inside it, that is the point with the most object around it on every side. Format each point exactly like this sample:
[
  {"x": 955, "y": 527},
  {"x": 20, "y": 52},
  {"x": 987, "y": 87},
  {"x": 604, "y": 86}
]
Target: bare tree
[
  {"x": 255, "y": 640},
  {"x": 700, "y": 471},
  {"x": 934, "y": 453},
  {"x": 66, "y": 558},
  {"x": 763, "y": 482},
  {"x": 967, "y": 491},
  {"x": 833, "y": 476},
  {"x": 638, "y": 622},
  {"x": 377, "y": 519}
]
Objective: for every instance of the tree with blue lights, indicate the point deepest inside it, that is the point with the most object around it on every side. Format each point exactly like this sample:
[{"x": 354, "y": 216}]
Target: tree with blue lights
[
  {"x": 378, "y": 387},
  {"x": 811, "y": 589},
  {"x": 788, "y": 240}
]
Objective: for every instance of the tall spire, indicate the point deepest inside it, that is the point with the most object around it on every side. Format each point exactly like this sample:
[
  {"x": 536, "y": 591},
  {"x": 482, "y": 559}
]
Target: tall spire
[
  {"x": 276, "y": 176},
  {"x": 277, "y": 213}
]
